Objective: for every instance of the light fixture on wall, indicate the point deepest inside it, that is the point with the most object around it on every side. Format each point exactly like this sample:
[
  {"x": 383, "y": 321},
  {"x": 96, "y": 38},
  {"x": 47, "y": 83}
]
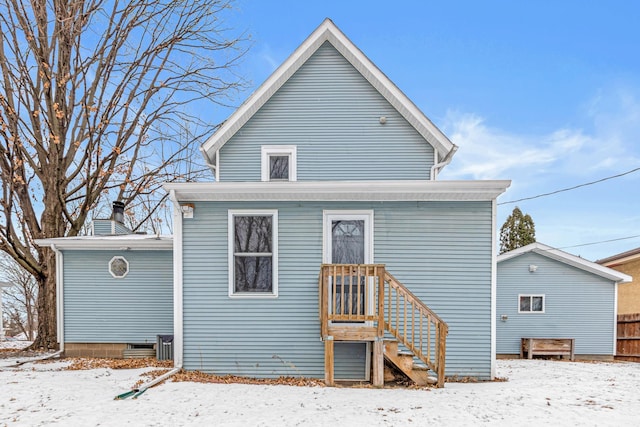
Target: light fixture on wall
[
  {"x": 504, "y": 317},
  {"x": 187, "y": 210},
  {"x": 533, "y": 268},
  {"x": 383, "y": 120}
]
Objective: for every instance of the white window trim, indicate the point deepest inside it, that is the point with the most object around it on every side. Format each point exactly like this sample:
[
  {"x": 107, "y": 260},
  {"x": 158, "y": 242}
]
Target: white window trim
[
  {"x": 279, "y": 150},
  {"x": 544, "y": 302},
  {"x": 125, "y": 261},
  {"x": 274, "y": 254}
]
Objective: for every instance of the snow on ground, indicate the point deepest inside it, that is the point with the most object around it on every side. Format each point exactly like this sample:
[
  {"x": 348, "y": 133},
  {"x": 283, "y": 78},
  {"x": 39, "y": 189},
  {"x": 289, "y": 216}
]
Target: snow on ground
[
  {"x": 539, "y": 392},
  {"x": 13, "y": 344}
]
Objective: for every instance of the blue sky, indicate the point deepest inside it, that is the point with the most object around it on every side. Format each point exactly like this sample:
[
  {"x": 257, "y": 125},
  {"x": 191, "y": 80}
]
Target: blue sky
[{"x": 545, "y": 93}]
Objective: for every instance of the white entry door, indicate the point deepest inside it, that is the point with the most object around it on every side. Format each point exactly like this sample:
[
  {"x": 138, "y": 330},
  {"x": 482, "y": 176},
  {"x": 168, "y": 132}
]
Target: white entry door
[{"x": 348, "y": 239}]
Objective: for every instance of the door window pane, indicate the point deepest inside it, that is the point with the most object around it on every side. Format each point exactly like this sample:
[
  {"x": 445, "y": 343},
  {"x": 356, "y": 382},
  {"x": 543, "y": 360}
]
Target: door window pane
[
  {"x": 347, "y": 242},
  {"x": 347, "y": 247}
]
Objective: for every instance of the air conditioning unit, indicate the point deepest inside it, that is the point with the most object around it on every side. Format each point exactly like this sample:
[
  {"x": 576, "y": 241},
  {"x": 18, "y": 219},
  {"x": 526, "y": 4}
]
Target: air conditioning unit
[{"x": 164, "y": 347}]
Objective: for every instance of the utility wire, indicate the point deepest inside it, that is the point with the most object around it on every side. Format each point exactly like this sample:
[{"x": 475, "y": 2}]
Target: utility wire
[
  {"x": 570, "y": 188},
  {"x": 602, "y": 241}
]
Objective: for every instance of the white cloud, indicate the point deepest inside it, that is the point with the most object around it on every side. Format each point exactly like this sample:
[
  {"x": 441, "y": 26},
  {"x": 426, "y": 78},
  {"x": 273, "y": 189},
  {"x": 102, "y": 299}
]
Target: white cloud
[
  {"x": 490, "y": 153},
  {"x": 611, "y": 145}
]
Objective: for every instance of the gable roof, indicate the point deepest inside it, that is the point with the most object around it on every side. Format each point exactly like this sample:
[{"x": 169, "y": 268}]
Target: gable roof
[
  {"x": 328, "y": 32},
  {"x": 620, "y": 258},
  {"x": 567, "y": 258}
]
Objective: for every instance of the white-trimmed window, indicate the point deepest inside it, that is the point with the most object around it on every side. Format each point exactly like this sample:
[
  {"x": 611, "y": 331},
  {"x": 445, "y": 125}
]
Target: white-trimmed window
[
  {"x": 279, "y": 163},
  {"x": 530, "y": 303},
  {"x": 253, "y": 253},
  {"x": 119, "y": 267}
]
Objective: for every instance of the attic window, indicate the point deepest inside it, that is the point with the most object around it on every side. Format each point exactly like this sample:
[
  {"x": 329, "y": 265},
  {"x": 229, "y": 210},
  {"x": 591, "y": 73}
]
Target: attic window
[
  {"x": 118, "y": 267},
  {"x": 279, "y": 163}
]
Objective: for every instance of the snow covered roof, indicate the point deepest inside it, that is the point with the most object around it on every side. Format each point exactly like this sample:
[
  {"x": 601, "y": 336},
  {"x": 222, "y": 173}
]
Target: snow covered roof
[
  {"x": 121, "y": 241},
  {"x": 567, "y": 258},
  {"x": 328, "y": 32}
]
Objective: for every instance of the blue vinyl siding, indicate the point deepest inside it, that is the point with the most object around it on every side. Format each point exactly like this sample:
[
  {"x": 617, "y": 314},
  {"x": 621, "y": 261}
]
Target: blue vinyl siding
[
  {"x": 440, "y": 250},
  {"x": 331, "y": 113},
  {"x": 578, "y": 304},
  {"x": 99, "y": 308}
]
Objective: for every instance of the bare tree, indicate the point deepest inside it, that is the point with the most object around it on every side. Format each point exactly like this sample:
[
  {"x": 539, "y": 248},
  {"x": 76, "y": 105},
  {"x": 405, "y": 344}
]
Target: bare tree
[
  {"x": 98, "y": 101},
  {"x": 19, "y": 300}
]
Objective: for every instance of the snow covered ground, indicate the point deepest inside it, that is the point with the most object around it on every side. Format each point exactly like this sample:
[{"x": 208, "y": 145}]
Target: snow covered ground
[{"x": 538, "y": 392}]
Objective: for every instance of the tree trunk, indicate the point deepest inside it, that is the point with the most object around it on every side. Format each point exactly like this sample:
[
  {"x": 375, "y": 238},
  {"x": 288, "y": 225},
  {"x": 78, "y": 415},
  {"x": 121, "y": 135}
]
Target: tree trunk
[{"x": 47, "y": 338}]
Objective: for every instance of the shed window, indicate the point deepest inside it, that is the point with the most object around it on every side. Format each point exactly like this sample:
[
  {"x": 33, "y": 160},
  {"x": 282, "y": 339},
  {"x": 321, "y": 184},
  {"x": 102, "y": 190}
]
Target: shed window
[
  {"x": 118, "y": 267},
  {"x": 253, "y": 250},
  {"x": 531, "y": 304},
  {"x": 279, "y": 163}
]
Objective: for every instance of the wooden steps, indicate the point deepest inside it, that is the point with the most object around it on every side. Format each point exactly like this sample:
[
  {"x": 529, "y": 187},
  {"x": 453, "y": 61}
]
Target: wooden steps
[{"x": 405, "y": 363}]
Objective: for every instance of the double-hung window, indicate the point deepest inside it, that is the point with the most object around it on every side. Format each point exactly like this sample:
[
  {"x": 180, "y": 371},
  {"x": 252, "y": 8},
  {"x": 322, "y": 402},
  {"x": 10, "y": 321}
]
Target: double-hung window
[
  {"x": 253, "y": 253},
  {"x": 279, "y": 163},
  {"x": 530, "y": 303}
]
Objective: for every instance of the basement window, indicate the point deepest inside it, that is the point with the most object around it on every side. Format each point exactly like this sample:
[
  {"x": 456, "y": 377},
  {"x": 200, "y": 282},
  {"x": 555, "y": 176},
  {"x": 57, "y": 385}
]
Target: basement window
[{"x": 119, "y": 267}]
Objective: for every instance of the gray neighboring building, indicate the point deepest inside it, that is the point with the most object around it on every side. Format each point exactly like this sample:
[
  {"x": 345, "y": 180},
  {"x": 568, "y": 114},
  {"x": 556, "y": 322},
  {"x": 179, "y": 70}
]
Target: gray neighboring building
[{"x": 547, "y": 293}]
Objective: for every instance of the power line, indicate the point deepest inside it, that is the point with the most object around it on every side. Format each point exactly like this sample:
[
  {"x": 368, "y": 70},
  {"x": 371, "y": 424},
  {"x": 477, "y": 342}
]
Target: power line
[
  {"x": 571, "y": 188},
  {"x": 602, "y": 241}
]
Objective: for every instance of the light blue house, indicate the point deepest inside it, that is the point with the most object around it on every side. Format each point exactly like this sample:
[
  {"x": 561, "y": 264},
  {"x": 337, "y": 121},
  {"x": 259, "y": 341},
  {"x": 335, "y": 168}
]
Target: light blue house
[
  {"x": 326, "y": 243},
  {"x": 328, "y": 162},
  {"x": 547, "y": 293}
]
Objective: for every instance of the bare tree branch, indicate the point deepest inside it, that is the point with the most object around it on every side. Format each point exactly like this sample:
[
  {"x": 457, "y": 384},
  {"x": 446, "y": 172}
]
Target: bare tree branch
[{"x": 99, "y": 101}]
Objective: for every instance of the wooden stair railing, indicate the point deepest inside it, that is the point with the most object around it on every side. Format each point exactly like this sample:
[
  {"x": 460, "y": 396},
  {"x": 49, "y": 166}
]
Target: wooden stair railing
[
  {"x": 415, "y": 326},
  {"x": 367, "y": 293}
]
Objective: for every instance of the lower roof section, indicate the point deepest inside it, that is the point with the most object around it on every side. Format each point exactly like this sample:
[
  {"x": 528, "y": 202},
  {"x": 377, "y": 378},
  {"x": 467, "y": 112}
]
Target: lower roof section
[
  {"x": 113, "y": 242},
  {"x": 339, "y": 190}
]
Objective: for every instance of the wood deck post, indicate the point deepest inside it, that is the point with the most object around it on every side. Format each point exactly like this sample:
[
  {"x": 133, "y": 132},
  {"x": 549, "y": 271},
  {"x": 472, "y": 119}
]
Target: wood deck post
[
  {"x": 378, "y": 362},
  {"x": 328, "y": 361},
  {"x": 442, "y": 351}
]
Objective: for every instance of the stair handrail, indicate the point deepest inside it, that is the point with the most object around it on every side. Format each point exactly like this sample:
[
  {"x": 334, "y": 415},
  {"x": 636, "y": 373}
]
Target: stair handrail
[
  {"x": 389, "y": 278},
  {"x": 442, "y": 329}
]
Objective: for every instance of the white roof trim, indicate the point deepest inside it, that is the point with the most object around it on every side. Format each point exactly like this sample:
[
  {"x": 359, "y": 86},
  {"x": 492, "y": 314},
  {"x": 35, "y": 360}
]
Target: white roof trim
[
  {"x": 568, "y": 259},
  {"x": 327, "y": 31},
  {"x": 338, "y": 190},
  {"x": 119, "y": 242}
]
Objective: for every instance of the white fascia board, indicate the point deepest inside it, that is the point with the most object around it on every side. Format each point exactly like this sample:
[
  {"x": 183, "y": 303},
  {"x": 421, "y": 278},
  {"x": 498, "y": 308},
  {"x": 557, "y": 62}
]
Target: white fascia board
[
  {"x": 327, "y": 31},
  {"x": 109, "y": 243},
  {"x": 339, "y": 190},
  {"x": 568, "y": 259}
]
